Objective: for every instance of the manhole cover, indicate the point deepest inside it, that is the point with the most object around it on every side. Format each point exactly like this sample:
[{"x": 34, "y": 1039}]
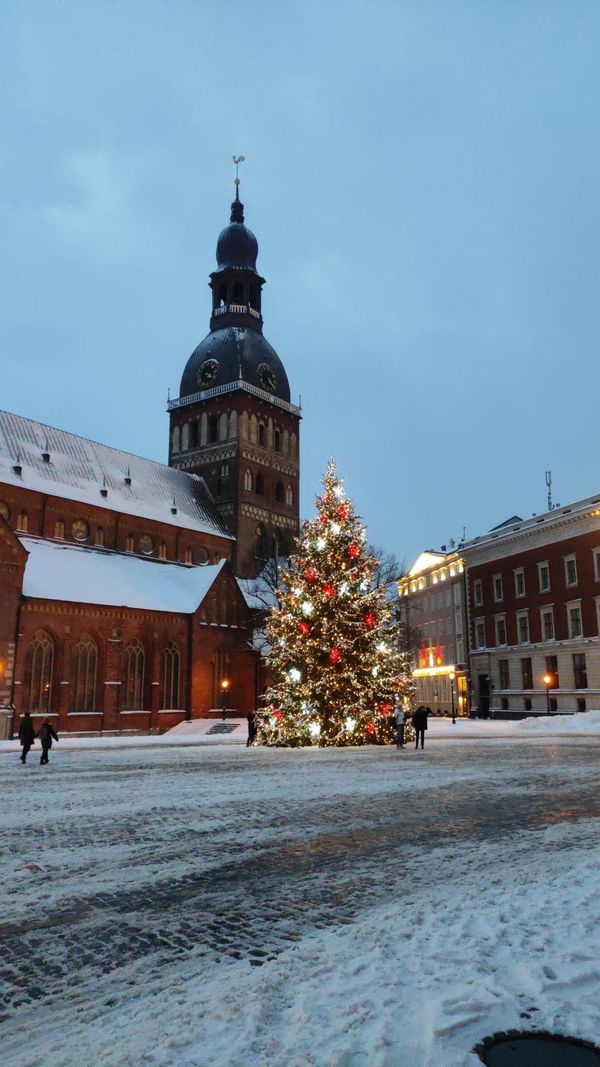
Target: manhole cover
[{"x": 537, "y": 1050}]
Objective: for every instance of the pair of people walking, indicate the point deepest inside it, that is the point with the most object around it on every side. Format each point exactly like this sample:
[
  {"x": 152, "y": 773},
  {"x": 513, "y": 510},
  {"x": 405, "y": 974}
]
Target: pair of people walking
[{"x": 27, "y": 736}]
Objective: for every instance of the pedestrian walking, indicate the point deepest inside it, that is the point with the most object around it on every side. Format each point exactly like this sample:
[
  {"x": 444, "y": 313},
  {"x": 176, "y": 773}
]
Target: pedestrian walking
[
  {"x": 420, "y": 724},
  {"x": 26, "y": 735},
  {"x": 45, "y": 733},
  {"x": 399, "y": 718},
  {"x": 251, "y": 728}
]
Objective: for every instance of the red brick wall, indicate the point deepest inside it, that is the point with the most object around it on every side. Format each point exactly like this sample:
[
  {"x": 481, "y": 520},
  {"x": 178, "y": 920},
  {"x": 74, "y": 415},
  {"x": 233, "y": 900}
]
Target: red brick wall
[{"x": 12, "y": 566}]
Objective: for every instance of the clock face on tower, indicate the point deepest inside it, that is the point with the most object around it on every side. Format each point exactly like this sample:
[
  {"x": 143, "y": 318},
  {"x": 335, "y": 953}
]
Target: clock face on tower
[
  {"x": 207, "y": 373},
  {"x": 267, "y": 377}
]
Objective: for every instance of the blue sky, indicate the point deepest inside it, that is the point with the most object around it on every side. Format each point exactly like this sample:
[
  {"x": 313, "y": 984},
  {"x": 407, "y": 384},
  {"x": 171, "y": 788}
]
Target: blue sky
[{"x": 423, "y": 179}]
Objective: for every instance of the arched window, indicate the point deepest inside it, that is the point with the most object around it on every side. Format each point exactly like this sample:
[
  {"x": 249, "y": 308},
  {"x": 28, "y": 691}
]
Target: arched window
[
  {"x": 129, "y": 543},
  {"x": 22, "y": 522},
  {"x": 248, "y": 480},
  {"x": 185, "y": 437},
  {"x": 261, "y": 433},
  {"x": 244, "y": 425},
  {"x": 170, "y": 676},
  {"x": 289, "y": 496},
  {"x": 277, "y": 441},
  {"x": 223, "y": 427},
  {"x": 39, "y": 666},
  {"x": 233, "y": 424},
  {"x": 86, "y": 669},
  {"x": 175, "y": 439},
  {"x": 262, "y": 545},
  {"x": 100, "y": 537},
  {"x": 188, "y": 556},
  {"x": 59, "y": 528},
  {"x": 286, "y": 443},
  {"x": 203, "y": 428},
  {"x": 293, "y": 446},
  {"x": 279, "y": 492},
  {"x": 213, "y": 429},
  {"x": 133, "y": 689},
  {"x": 221, "y": 672},
  {"x": 162, "y": 550},
  {"x": 253, "y": 429},
  {"x": 194, "y": 434},
  {"x": 259, "y": 485}
]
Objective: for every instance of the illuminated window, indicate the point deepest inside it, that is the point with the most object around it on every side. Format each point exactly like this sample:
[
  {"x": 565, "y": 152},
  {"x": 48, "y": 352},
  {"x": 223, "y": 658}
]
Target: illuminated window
[
  {"x": 39, "y": 666},
  {"x": 22, "y": 522},
  {"x": 86, "y": 665}
]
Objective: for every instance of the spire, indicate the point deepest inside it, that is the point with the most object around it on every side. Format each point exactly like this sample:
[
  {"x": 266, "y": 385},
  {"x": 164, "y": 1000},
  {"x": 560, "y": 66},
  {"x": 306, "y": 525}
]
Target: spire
[{"x": 237, "y": 208}]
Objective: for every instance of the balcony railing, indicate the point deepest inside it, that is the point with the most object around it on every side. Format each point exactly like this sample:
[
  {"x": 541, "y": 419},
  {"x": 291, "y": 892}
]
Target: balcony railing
[
  {"x": 230, "y": 387},
  {"x": 239, "y": 309}
]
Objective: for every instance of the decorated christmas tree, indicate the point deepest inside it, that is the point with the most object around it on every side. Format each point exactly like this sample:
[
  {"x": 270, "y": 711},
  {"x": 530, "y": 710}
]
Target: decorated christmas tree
[{"x": 336, "y": 650}]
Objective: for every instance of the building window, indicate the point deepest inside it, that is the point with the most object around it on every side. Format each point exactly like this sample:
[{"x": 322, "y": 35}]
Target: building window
[
  {"x": 39, "y": 666},
  {"x": 146, "y": 545},
  {"x": 194, "y": 434},
  {"x": 224, "y": 470},
  {"x": 520, "y": 582},
  {"x": 162, "y": 550},
  {"x": 527, "y": 673},
  {"x": 479, "y": 633},
  {"x": 171, "y": 669},
  {"x": 580, "y": 670},
  {"x": 100, "y": 537},
  {"x": 498, "y": 593},
  {"x": 59, "y": 529},
  {"x": 80, "y": 530},
  {"x": 547, "y": 619},
  {"x": 133, "y": 690},
  {"x": 185, "y": 437},
  {"x": 188, "y": 556},
  {"x": 22, "y": 522},
  {"x": 500, "y": 630},
  {"x": 570, "y": 571},
  {"x": 581, "y": 704},
  {"x": 552, "y": 670},
  {"x": 523, "y": 628},
  {"x": 248, "y": 480},
  {"x": 86, "y": 666},
  {"x": 129, "y": 543},
  {"x": 543, "y": 577},
  {"x": 223, "y": 427},
  {"x": 477, "y": 593},
  {"x": 213, "y": 429},
  {"x": 277, "y": 441},
  {"x": 597, "y": 564},
  {"x": 289, "y": 496},
  {"x": 279, "y": 492},
  {"x": 261, "y": 433},
  {"x": 259, "y": 485},
  {"x": 220, "y": 672},
  {"x": 504, "y": 676},
  {"x": 574, "y": 620},
  {"x": 175, "y": 439}
]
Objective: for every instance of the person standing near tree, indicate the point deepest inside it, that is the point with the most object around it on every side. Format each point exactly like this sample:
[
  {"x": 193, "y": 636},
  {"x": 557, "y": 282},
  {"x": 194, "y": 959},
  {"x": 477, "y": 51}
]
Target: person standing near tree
[
  {"x": 399, "y": 718},
  {"x": 420, "y": 724},
  {"x": 26, "y": 735},
  {"x": 46, "y": 733},
  {"x": 251, "y": 728}
]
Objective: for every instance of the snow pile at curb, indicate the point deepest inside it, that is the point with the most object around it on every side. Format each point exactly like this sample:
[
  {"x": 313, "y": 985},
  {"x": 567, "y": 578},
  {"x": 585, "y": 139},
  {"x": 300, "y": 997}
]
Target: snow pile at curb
[{"x": 584, "y": 722}]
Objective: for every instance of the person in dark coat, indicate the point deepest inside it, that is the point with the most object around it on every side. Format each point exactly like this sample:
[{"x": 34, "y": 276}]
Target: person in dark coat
[
  {"x": 26, "y": 735},
  {"x": 420, "y": 724},
  {"x": 45, "y": 733},
  {"x": 251, "y": 728}
]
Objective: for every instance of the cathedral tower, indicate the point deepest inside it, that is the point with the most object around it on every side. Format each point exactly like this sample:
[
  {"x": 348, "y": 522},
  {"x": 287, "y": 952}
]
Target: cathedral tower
[{"x": 233, "y": 422}]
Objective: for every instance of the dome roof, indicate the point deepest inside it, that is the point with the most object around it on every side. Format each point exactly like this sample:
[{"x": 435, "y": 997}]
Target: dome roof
[
  {"x": 238, "y": 352},
  {"x": 237, "y": 246}
]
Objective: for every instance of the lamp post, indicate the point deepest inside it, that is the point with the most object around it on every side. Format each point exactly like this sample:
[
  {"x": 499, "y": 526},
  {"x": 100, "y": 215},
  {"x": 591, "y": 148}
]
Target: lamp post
[
  {"x": 547, "y": 680},
  {"x": 224, "y": 688},
  {"x": 451, "y": 677}
]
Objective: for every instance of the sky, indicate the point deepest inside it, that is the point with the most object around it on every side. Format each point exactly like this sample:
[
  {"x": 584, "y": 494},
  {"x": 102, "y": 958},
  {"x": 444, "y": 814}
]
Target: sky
[{"x": 422, "y": 178}]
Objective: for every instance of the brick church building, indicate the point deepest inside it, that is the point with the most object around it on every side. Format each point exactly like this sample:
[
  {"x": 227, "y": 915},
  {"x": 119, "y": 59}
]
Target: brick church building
[{"x": 120, "y": 608}]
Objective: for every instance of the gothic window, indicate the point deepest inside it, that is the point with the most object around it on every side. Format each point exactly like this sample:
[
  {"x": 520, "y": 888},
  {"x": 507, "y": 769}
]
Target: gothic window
[
  {"x": 248, "y": 480},
  {"x": 286, "y": 443},
  {"x": 261, "y": 433},
  {"x": 213, "y": 429},
  {"x": 170, "y": 676},
  {"x": 185, "y": 437},
  {"x": 279, "y": 492},
  {"x": 223, "y": 427},
  {"x": 175, "y": 439},
  {"x": 244, "y": 425},
  {"x": 135, "y": 664},
  {"x": 100, "y": 537},
  {"x": 293, "y": 445},
  {"x": 194, "y": 434},
  {"x": 289, "y": 496},
  {"x": 129, "y": 543},
  {"x": 203, "y": 428},
  {"x": 233, "y": 424},
  {"x": 59, "y": 529},
  {"x": 39, "y": 665},
  {"x": 222, "y": 295},
  {"x": 224, "y": 470},
  {"x": 253, "y": 429},
  {"x": 259, "y": 485},
  {"x": 162, "y": 550},
  {"x": 277, "y": 441},
  {"x": 262, "y": 545},
  {"x": 221, "y": 672},
  {"x": 86, "y": 668},
  {"x": 22, "y": 522},
  {"x": 188, "y": 556}
]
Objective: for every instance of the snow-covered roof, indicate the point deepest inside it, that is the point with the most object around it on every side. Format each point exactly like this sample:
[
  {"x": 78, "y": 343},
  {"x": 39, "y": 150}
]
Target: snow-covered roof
[
  {"x": 78, "y": 469},
  {"x": 98, "y": 576}
]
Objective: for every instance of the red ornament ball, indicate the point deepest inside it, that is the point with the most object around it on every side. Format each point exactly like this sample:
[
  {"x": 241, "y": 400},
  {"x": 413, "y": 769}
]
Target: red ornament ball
[
  {"x": 370, "y": 727},
  {"x": 370, "y": 620},
  {"x": 329, "y": 591},
  {"x": 311, "y": 574},
  {"x": 304, "y": 628},
  {"x": 323, "y": 520},
  {"x": 335, "y": 655},
  {"x": 386, "y": 709},
  {"x": 277, "y": 714},
  {"x": 353, "y": 551},
  {"x": 343, "y": 512}
]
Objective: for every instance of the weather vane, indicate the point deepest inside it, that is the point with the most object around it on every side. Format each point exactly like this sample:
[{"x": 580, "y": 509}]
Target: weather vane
[{"x": 237, "y": 160}]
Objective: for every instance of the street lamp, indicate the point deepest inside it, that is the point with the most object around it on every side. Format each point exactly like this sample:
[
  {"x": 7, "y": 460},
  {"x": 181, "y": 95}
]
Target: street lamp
[
  {"x": 451, "y": 677},
  {"x": 224, "y": 688},
  {"x": 547, "y": 680}
]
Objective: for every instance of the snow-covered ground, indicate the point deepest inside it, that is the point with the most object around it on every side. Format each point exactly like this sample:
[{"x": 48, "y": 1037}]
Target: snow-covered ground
[{"x": 224, "y": 907}]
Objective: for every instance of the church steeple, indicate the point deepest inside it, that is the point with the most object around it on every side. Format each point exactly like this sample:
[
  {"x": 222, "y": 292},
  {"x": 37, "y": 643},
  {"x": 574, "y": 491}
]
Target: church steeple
[{"x": 236, "y": 285}]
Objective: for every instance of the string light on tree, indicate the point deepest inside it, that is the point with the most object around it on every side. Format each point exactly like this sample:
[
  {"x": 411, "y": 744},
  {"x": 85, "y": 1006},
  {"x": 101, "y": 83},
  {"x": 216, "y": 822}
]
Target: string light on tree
[{"x": 352, "y": 670}]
